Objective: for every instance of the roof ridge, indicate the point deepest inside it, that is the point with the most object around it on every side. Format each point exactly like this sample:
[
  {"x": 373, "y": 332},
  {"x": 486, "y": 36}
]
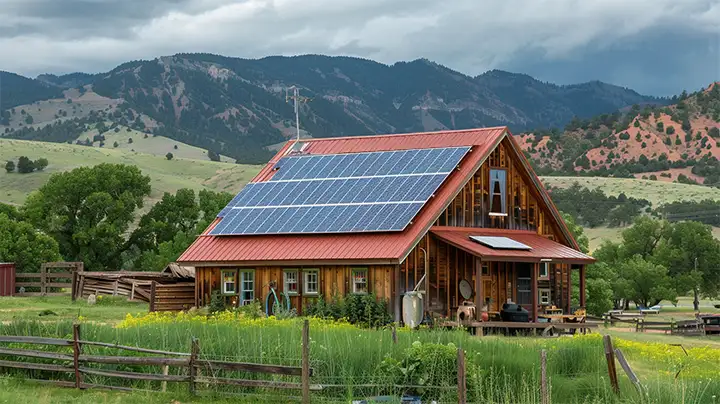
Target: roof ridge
[{"x": 374, "y": 136}]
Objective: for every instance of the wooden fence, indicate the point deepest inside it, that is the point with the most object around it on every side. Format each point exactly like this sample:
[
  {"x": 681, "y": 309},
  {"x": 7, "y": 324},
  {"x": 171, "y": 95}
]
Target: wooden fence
[
  {"x": 76, "y": 365},
  {"x": 172, "y": 297},
  {"x": 47, "y": 282}
]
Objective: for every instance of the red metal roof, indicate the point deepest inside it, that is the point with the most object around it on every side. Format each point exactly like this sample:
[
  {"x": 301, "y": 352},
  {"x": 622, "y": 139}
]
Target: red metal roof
[
  {"x": 541, "y": 247},
  {"x": 388, "y": 247}
]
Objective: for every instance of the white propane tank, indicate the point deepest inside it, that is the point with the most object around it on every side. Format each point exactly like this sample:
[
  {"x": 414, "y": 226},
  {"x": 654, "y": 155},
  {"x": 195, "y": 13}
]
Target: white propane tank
[{"x": 412, "y": 309}]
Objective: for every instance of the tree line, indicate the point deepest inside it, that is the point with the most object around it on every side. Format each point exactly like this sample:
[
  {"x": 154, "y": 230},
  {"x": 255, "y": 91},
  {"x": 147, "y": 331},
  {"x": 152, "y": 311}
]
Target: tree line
[
  {"x": 654, "y": 260},
  {"x": 25, "y": 165},
  {"x": 86, "y": 215}
]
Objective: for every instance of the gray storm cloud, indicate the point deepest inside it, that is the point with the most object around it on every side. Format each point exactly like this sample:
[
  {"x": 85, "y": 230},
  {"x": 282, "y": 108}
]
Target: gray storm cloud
[{"x": 655, "y": 46}]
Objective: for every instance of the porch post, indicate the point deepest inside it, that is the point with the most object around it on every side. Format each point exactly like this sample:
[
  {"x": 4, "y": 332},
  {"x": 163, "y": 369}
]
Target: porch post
[
  {"x": 582, "y": 286},
  {"x": 534, "y": 291},
  {"x": 396, "y": 289},
  {"x": 477, "y": 269},
  {"x": 569, "y": 287}
]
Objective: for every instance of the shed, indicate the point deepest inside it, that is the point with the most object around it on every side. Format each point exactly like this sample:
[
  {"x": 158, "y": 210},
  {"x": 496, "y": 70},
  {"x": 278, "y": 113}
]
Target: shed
[{"x": 7, "y": 279}]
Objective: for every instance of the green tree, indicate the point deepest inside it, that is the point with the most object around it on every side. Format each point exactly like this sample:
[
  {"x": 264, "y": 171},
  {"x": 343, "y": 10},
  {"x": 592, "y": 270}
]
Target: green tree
[
  {"x": 692, "y": 255},
  {"x": 101, "y": 127},
  {"x": 173, "y": 214},
  {"x": 26, "y": 247},
  {"x": 87, "y": 210},
  {"x": 213, "y": 155},
  {"x": 10, "y": 166},
  {"x": 648, "y": 282},
  {"x": 116, "y": 144},
  {"x": 41, "y": 163},
  {"x": 598, "y": 288},
  {"x": 169, "y": 156},
  {"x": 642, "y": 238},
  {"x": 25, "y": 165},
  {"x": 167, "y": 251},
  {"x": 577, "y": 231}
]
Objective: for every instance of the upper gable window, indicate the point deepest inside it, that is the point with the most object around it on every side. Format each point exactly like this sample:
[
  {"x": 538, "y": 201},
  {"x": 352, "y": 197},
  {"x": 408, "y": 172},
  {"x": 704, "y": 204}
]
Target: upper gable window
[{"x": 498, "y": 185}]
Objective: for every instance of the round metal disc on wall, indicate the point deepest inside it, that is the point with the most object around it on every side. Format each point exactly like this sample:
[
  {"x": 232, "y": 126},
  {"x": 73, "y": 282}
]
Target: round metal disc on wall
[{"x": 466, "y": 290}]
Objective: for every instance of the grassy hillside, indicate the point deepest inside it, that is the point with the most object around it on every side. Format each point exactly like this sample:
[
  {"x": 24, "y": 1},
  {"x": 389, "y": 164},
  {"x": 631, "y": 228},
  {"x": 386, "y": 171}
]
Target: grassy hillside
[
  {"x": 167, "y": 176},
  {"x": 657, "y": 192}
]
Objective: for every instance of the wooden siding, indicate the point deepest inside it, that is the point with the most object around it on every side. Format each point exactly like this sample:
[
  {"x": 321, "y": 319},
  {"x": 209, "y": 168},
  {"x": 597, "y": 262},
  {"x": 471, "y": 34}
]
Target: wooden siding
[
  {"x": 523, "y": 204},
  {"x": 334, "y": 281}
]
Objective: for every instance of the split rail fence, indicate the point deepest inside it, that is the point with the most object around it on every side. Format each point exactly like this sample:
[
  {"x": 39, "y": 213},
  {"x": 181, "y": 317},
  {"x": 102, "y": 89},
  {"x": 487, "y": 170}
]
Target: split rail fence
[
  {"x": 48, "y": 282},
  {"x": 197, "y": 369}
]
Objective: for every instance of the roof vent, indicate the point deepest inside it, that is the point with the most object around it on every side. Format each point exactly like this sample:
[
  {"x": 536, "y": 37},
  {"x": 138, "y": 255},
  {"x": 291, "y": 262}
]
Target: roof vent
[{"x": 500, "y": 243}]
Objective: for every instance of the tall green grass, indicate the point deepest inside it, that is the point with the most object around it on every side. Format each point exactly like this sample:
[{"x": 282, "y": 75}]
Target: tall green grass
[{"x": 347, "y": 359}]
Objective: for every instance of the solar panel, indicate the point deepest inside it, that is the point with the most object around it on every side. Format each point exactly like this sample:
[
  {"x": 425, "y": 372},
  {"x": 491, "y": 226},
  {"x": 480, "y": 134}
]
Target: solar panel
[
  {"x": 379, "y": 191},
  {"x": 500, "y": 243}
]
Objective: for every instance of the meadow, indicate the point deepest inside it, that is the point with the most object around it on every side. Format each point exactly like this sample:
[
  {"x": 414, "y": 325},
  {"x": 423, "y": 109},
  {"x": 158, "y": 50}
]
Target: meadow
[
  {"x": 166, "y": 175},
  {"x": 353, "y": 363}
]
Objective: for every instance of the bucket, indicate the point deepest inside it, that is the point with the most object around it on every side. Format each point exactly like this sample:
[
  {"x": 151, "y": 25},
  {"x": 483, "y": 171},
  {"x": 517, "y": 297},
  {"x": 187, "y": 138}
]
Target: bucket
[{"x": 412, "y": 309}]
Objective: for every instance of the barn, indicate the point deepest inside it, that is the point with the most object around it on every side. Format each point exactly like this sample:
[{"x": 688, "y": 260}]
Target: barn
[{"x": 459, "y": 214}]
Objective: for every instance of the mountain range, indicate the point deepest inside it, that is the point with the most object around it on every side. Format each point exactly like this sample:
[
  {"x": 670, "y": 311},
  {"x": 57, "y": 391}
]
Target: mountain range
[{"x": 238, "y": 107}]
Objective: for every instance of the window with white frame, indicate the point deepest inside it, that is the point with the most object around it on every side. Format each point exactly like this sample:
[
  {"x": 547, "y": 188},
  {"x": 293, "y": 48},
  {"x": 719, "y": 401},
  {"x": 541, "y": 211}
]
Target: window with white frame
[
  {"x": 544, "y": 297},
  {"x": 247, "y": 287},
  {"x": 290, "y": 282},
  {"x": 498, "y": 185},
  {"x": 228, "y": 282},
  {"x": 360, "y": 280},
  {"x": 544, "y": 270},
  {"x": 312, "y": 282}
]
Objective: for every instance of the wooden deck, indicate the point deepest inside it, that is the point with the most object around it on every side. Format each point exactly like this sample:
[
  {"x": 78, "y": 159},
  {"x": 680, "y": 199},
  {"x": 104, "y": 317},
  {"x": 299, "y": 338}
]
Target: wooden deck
[{"x": 547, "y": 328}]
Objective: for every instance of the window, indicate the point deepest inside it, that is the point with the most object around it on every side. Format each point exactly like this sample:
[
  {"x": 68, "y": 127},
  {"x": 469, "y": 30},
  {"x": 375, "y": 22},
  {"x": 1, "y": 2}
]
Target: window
[
  {"x": 311, "y": 282},
  {"x": 360, "y": 284},
  {"x": 497, "y": 192},
  {"x": 485, "y": 269},
  {"x": 291, "y": 282},
  {"x": 247, "y": 287},
  {"x": 228, "y": 282},
  {"x": 544, "y": 270},
  {"x": 544, "y": 297}
]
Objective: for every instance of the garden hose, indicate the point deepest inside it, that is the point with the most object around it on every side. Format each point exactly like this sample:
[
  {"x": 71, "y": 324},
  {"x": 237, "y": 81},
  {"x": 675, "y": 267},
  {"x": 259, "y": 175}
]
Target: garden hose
[{"x": 283, "y": 296}]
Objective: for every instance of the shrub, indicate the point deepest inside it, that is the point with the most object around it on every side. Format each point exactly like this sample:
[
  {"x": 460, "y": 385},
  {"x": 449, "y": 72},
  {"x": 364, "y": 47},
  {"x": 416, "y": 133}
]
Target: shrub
[
  {"x": 364, "y": 310},
  {"x": 217, "y": 303},
  {"x": 653, "y": 177},
  {"x": 660, "y": 127},
  {"x": 643, "y": 145},
  {"x": 169, "y": 156},
  {"x": 10, "y": 166},
  {"x": 714, "y": 132},
  {"x": 670, "y": 130},
  {"x": 624, "y": 136}
]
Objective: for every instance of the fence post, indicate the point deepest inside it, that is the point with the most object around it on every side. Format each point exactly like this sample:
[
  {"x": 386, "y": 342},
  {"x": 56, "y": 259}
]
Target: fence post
[
  {"x": 306, "y": 362},
  {"x": 462, "y": 386},
  {"x": 152, "y": 296},
  {"x": 74, "y": 286},
  {"x": 194, "y": 351},
  {"x": 43, "y": 279},
  {"x": 610, "y": 357},
  {"x": 630, "y": 374},
  {"x": 394, "y": 334},
  {"x": 76, "y": 355},
  {"x": 544, "y": 398},
  {"x": 166, "y": 371}
]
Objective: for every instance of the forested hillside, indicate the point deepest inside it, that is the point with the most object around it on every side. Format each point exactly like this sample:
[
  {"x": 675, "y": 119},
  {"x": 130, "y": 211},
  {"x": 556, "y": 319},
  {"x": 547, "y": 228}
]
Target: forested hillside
[
  {"x": 679, "y": 142},
  {"x": 236, "y": 107}
]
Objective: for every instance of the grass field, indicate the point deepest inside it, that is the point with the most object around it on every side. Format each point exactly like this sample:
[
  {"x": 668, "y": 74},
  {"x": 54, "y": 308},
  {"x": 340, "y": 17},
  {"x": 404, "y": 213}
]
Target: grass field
[
  {"x": 166, "y": 176},
  {"x": 656, "y": 192},
  {"x": 500, "y": 369}
]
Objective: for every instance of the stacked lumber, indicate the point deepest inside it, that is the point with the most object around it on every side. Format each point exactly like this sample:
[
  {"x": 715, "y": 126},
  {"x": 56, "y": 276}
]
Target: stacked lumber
[{"x": 172, "y": 297}]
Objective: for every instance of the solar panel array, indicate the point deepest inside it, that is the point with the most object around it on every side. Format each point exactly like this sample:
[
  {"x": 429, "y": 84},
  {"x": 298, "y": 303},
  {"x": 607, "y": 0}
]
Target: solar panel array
[
  {"x": 501, "y": 243},
  {"x": 360, "y": 192}
]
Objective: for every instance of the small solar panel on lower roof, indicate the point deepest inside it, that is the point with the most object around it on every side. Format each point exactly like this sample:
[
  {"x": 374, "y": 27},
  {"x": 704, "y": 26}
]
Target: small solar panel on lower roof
[{"x": 500, "y": 243}]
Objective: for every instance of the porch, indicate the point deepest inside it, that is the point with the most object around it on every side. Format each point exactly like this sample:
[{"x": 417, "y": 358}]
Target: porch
[{"x": 461, "y": 271}]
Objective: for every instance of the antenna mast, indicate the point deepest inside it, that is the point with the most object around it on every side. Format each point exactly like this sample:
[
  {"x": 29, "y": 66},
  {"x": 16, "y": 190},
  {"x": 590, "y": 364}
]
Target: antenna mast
[{"x": 297, "y": 100}]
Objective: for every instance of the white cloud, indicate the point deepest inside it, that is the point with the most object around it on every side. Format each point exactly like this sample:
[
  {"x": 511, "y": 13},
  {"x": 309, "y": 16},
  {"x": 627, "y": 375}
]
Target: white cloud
[{"x": 469, "y": 35}]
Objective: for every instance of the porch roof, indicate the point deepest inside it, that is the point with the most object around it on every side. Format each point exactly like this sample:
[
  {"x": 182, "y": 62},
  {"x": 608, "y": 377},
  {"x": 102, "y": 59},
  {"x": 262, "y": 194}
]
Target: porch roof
[{"x": 542, "y": 248}]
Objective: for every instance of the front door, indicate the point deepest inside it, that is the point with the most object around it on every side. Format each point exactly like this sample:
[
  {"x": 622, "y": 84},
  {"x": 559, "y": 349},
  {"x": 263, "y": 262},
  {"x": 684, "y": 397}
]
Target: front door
[{"x": 524, "y": 284}]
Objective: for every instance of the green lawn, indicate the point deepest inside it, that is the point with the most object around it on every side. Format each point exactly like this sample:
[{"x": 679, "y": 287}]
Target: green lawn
[
  {"x": 166, "y": 176},
  {"x": 109, "y": 309}
]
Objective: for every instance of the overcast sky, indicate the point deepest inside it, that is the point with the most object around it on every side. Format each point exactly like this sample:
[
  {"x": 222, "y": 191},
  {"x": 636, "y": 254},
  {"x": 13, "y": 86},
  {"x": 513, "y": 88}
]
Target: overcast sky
[{"x": 657, "y": 47}]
